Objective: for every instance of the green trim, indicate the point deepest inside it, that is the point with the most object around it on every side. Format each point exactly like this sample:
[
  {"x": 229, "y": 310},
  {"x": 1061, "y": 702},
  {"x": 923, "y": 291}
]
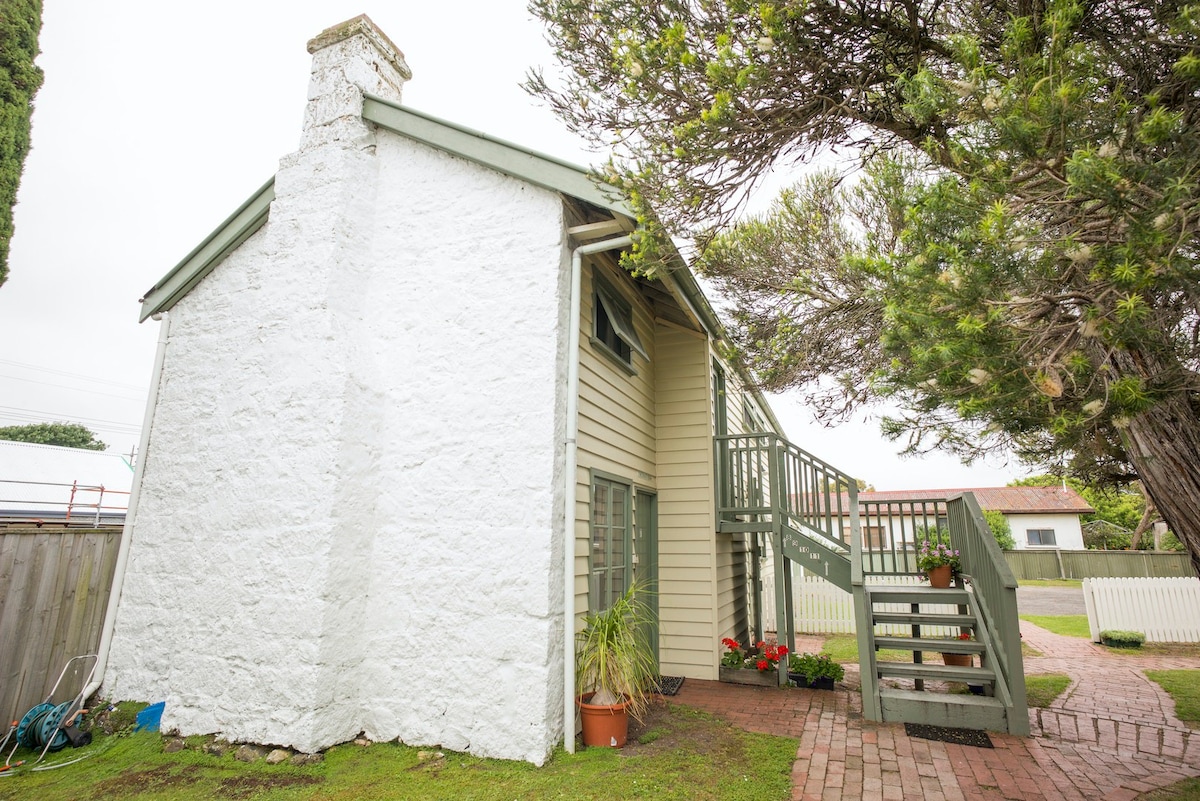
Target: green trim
[
  {"x": 497, "y": 154},
  {"x": 235, "y": 230},
  {"x": 597, "y": 477}
]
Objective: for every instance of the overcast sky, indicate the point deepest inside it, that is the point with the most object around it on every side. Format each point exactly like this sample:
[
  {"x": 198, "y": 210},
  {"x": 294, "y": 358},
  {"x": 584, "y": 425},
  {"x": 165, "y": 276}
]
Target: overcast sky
[{"x": 156, "y": 120}]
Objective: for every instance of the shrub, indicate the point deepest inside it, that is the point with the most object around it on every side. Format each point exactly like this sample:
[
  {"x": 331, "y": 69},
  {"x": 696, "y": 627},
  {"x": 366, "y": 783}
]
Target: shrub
[{"x": 1122, "y": 639}]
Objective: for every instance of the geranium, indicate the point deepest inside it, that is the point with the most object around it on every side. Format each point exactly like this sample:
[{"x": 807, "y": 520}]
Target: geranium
[
  {"x": 769, "y": 655},
  {"x": 734, "y": 657},
  {"x": 937, "y": 554}
]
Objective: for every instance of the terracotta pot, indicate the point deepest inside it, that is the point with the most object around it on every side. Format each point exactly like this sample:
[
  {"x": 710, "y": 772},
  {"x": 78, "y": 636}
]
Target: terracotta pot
[
  {"x": 940, "y": 576},
  {"x": 958, "y": 660},
  {"x": 603, "y": 725}
]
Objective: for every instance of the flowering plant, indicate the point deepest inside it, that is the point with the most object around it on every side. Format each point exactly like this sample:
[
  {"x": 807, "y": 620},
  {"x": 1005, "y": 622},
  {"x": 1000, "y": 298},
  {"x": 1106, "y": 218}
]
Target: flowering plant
[
  {"x": 937, "y": 554},
  {"x": 964, "y": 635},
  {"x": 734, "y": 657},
  {"x": 769, "y": 655},
  {"x": 766, "y": 658}
]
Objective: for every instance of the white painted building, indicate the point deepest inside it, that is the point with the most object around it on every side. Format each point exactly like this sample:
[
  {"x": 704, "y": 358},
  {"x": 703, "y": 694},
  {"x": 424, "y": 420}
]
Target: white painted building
[{"x": 411, "y": 422}]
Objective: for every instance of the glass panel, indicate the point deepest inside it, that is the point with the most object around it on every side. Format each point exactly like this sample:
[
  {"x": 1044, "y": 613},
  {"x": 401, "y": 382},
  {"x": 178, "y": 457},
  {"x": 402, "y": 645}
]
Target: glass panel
[
  {"x": 600, "y": 525},
  {"x": 618, "y": 584},
  {"x": 620, "y": 499}
]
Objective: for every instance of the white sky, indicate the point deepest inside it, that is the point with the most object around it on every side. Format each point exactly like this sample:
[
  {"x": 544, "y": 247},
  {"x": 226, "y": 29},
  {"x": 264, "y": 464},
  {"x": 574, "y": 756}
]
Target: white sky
[{"x": 156, "y": 120}]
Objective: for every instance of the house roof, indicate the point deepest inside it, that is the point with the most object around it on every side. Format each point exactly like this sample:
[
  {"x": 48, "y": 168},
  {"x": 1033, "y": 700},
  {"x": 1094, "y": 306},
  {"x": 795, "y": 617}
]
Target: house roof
[
  {"x": 36, "y": 480},
  {"x": 1009, "y": 500},
  {"x": 497, "y": 154}
]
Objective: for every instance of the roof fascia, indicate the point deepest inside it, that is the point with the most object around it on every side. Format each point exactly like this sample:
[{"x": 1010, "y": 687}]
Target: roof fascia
[
  {"x": 497, "y": 154},
  {"x": 235, "y": 230}
]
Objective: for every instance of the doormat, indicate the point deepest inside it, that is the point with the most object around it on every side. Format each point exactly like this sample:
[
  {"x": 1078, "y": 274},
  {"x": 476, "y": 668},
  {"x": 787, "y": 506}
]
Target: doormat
[
  {"x": 668, "y": 685},
  {"x": 978, "y": 739}
]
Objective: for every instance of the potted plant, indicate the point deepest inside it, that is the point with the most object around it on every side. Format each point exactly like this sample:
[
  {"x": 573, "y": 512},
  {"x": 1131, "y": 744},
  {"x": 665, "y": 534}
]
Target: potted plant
[
  {"x": 614, "y": 670},
  {"x": 818, "y": 671},
  {"x": 959, "y": 660},
  {"x": 1114, "y": 638},
  {"x": 939, "y": 562},
  {"x": 761, "y": 667}
]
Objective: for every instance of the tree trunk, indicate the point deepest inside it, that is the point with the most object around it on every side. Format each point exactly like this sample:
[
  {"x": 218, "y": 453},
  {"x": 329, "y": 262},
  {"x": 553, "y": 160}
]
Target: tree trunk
[{"x": 1163, "y": 444}]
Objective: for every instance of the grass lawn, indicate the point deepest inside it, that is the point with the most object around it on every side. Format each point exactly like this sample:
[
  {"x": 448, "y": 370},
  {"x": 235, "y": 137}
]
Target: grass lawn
[
  {"x": 843, "y": 649},
  {"x": 1041, "y": 689},
  {"x": 1070, "y": 625},
  {"x": 1184, "y": 688},
  {"x": 1077, "y": 583},
  {"x": 678, "y": 754},
  {"x": 1186, "y": 790}
]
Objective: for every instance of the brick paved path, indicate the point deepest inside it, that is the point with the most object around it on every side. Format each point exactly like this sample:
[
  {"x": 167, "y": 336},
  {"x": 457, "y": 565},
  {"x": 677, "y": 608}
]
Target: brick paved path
[{"x": 1112, "y": 735}]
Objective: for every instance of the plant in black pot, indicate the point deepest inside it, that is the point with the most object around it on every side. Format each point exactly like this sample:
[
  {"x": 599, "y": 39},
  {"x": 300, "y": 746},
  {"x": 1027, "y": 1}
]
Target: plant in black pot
[
  {"x": 818, "y": 671},
  {"x": 614, "y": 670}
]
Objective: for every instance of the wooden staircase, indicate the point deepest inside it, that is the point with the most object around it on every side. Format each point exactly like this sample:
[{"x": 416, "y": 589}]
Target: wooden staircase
[{"x": 810, "y": 515}]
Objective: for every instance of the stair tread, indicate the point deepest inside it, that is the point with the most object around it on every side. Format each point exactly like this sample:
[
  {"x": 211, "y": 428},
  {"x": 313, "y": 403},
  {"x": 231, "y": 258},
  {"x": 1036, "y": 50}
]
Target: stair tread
[
  {"x": 930, "y": 644},
  {"x": 932, "y": 670},
  {"x": 926, "y": 618},
  {"x": 919, "y": 595},
  {"x": 958, "y": 699}
]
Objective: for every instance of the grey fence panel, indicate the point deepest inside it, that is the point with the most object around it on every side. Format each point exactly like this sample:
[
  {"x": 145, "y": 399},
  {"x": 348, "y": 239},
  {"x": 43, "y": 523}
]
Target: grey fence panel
[
  {"x": 1098, "y": 564},
  {"x": 54, "y": 588}
]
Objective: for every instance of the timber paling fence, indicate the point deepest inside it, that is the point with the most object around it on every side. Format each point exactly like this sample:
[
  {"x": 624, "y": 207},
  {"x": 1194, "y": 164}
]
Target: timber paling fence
[
  {"x": 54, "y": 588},
  {"x": 1056, "y": 564},
  {"x": 1164, "y": 609}
]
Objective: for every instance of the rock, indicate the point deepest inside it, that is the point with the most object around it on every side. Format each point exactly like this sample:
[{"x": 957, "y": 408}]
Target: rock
[
  {"x": 307, "y": 759},
  {"x": 278, "y": 756},
  {"x": 425, "y": 756},
  {"x": 250, "y": 753},
  {"x": 174, "y": 745},
  {"x": 363, "y": 741},
  {"x": 216, "y": 748}
]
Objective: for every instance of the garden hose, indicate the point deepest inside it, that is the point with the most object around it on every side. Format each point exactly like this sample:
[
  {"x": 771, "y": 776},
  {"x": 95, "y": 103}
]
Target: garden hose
[{"x": 43, "y": 727}]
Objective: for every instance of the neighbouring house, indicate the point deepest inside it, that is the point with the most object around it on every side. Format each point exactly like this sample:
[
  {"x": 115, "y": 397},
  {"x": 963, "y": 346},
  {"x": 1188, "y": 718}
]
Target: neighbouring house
[
  {"x": 42, "y": 484},
  {"x": 1040, "y": 517},
  {"x": 412, "y": 421}
]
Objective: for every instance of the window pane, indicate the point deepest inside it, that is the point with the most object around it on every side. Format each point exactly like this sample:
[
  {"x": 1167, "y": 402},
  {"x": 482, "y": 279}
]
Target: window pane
[
  {"x": 600, "y": 525},
  {"x": 617, "y": 586}
]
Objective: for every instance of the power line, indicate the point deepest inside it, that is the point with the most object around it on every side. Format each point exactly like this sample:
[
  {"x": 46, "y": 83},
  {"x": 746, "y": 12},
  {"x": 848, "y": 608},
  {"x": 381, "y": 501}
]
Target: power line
[
  {"x": 73, "y": 389},
  {"x": 72, "y": 375}
]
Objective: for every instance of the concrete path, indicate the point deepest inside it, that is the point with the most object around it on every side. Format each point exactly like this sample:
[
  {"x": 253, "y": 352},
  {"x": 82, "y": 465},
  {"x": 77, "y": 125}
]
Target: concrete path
[
  {"x": 1051, "y": 601},
  {"x": 1112, "y": 735}
]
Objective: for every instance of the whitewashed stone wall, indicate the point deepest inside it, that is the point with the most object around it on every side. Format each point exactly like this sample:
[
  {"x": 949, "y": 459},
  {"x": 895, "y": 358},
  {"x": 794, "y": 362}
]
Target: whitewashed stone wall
[{"x": 350, "y": 517}]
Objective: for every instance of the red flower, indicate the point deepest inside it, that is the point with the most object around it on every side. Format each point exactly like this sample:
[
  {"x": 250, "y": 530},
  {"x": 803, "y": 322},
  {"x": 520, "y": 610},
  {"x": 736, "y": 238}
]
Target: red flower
[
  {"x": 763, "y": 664},
  {"x": 964, "y": 636},
  {"x": 783, "y": 650},
  {"x": 731, "y": 643}
]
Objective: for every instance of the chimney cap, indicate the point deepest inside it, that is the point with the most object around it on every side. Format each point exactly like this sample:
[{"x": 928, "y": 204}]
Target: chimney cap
[{"x": 362, "y": 24}]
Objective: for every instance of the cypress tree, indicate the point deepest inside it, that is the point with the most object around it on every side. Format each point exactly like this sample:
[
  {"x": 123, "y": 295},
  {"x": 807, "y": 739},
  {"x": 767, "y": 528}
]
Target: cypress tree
[{"x": 20, "y": 78}]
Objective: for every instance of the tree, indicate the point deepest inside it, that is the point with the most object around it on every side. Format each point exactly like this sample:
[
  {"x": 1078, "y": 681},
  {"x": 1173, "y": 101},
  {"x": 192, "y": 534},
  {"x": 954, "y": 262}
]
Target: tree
[
  {"x": 66, "y": 435},
  {"x": 1125, "y": 510},
  {"x": 20, "y": 78},
  {"x": 1026, "y": 275},
  {"x": 1001, "y": 529}
]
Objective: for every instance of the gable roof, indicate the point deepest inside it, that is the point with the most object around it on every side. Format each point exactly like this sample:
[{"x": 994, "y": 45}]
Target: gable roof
[
  {"x": 1009, "y": 500},
  {"x": 492, "y": 152}
]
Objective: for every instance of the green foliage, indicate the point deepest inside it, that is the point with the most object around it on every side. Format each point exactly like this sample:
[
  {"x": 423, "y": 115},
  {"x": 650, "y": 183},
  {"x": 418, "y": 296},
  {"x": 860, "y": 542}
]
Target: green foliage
[
  {"x": 1042, "y": 689},
  {"x": 1067, "y": 625},
  {"x": 612, "y": 657},
  {"x": 816, "y": 666},
  {"x": 66, "y": 435},
  {"x": 1014, "y": 269},
  {"x": 1001, "y": 529},
  {"x": 1184, "y": 688},
  {"x": 20, "y": 79},
  {"x": 675, "y": 762},
  {"x": 1122, "y": 639}
]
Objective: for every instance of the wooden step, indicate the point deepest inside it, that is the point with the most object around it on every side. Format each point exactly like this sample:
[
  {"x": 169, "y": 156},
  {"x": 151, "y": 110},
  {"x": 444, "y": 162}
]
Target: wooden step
[
  {"x": 919, "y": 595},
  {"x": 943, "y": 709},
  {"x": 932, "y": 670},
  {"x": 930, "y": 644},
  {"x": 923, "y": 619}
]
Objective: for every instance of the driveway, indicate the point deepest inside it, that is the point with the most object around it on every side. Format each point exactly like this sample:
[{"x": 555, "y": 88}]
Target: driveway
[{"x": 1050, "y": 601}]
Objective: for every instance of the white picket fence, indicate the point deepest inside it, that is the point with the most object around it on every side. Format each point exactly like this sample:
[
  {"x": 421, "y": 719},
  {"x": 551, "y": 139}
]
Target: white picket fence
[
  {"x": 1164, "y": 609},
  {"x": 824, "y": 608}
]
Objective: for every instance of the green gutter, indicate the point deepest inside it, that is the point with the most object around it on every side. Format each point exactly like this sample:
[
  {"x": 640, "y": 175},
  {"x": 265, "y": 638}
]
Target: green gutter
[{"x": 236, "y": 229}]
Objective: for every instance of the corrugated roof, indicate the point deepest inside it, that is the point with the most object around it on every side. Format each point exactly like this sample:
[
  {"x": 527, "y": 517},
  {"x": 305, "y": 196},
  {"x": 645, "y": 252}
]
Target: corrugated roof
[{"x": 1010, "y": 500}]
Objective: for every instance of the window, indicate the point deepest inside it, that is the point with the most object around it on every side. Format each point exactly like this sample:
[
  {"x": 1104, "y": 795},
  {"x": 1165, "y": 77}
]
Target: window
[
  {"x": 613, "y": 325},
  {"x": 610, "y": 542},
  {"x": 877, "y": 538},
  {"x": 1040, "y": 536}
]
